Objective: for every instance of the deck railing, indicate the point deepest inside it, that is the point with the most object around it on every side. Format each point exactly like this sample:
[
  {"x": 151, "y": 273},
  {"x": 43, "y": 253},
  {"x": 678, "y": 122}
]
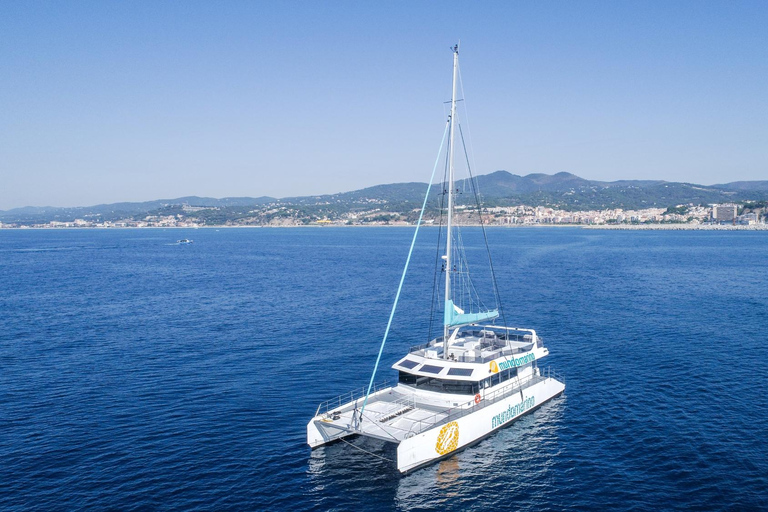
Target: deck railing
[
  {"x": 446, "y": 415},
  {"x": 335, "y": 403},
  {"x": 453, "y": 414},
  {"x": 494, "y": 343},
  {"x": 499, "y": 351}
]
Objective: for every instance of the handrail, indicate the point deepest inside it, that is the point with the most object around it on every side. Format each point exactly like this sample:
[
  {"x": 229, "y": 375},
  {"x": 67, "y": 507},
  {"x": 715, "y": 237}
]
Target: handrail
[
  {"x": 440, "y": 417},
  {"x": 500, "y": 352},
  {"x": 500, "y": 394},
  {"x": 508, "y": 337},
  {"x": 496, "y": 396},
  {"x": 350, "y": 396}
]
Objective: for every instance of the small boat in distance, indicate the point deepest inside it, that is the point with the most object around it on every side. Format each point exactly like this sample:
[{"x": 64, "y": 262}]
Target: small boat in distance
[
  {"x": 475, "y": 376},
  {"x": 184, "y": 241}
]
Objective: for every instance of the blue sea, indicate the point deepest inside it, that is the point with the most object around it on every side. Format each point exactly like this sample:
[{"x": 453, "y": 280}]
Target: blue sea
[{"x": 139, "y": 374}]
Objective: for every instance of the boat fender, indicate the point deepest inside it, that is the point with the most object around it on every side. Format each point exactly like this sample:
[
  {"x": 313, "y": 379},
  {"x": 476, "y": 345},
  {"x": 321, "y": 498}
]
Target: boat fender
[{"x": 478, "y": 398}]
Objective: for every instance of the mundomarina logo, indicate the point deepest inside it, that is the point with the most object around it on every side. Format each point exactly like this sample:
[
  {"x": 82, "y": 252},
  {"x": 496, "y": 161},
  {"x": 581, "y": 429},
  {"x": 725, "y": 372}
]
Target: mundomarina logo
[
  {"x": 520, "y": 361},
  {"x": 512, "y": 411}
]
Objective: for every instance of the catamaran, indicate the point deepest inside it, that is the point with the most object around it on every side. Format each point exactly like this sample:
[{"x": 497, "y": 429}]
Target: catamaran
[{"x": 478, "y": 376}]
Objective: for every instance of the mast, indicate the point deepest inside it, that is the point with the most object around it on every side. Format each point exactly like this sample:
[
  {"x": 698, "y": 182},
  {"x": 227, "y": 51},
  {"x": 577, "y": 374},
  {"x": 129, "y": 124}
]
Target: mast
[{"x": 448, "y": 269}]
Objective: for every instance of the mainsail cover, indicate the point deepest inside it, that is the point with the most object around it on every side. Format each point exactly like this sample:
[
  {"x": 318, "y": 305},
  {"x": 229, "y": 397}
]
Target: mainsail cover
[{"x": 455, "y": 316}]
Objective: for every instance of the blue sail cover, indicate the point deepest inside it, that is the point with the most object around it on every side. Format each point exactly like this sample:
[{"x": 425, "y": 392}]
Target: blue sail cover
[{"x": 452, "y": 317}]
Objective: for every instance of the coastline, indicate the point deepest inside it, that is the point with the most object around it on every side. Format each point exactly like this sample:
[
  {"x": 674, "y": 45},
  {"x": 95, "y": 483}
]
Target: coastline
[
  {"x": 680, "y": 227},
  {"x": 612, "y": 227}
]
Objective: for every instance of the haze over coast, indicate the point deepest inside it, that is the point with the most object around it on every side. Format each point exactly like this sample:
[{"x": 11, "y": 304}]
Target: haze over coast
[{"x": 507, "y": 199}]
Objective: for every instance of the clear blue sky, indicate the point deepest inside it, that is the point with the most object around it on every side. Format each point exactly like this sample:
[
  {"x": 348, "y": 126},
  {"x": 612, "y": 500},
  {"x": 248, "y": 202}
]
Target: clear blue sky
[{"x": 127, "y": 101}]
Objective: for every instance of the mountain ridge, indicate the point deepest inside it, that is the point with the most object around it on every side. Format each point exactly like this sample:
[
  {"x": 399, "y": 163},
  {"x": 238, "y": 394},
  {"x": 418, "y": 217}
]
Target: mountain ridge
[{"x": 499, "y": 188}]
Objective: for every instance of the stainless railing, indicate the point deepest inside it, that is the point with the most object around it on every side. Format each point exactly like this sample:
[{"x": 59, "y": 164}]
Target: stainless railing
[
  {"x": 397, "y": 408},
  {"x": 440, "y": 417},
  {"x": 449, "y": 415},
  {"x": 552, "y": 374},
  {"x": 335, "y": 403},
  {"x": 494, "y": 342},
  {"x": 499, "y": 351}
]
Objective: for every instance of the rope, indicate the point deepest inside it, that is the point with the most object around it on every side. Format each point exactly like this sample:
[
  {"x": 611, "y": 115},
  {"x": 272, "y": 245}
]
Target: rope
[
  {"x": 405, "y": 270},
  {"x": 471, "y": 154},
  {"x": 436, "y": 282},
  {"x": 485, "y": 235},
  {"x": 366, "y": 451}
]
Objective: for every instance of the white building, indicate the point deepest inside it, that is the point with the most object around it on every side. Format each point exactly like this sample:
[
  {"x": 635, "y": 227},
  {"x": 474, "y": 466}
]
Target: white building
[{"x": 724, "y": 212}]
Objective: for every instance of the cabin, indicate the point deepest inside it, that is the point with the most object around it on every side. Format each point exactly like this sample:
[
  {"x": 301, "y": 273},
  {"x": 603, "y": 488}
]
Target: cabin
[{"x": 476, "y": 358}]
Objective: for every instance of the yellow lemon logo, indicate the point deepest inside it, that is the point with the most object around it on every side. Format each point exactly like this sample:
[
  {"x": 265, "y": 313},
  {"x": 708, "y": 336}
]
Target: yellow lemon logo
[
  {"x": 448, "y": 439},
  {"x": 494, "y": 367}
]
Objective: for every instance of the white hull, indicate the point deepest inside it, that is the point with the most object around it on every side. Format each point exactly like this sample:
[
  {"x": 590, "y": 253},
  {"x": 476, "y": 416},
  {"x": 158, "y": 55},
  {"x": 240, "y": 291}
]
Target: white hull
[
  {"x": 321, "y": 431},
  {"x": 426, "y": 447},
  {"x": 446, "y": 437}
]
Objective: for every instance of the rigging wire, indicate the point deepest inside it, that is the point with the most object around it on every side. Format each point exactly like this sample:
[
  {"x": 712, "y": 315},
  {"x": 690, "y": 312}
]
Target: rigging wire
[
  {"x": 485, "y": 235},
  {"x": 405, "y": 270},
  {"x": 475, "y": 187},
  {"x": 471, "y": 154},
  {"x": 475, "y": 190},
  {"x": 463, "y": 287},
  {"x": 468, "y": 288},
  {"x": 366, "y": 451},
  {"x": 436, "y": 282}
]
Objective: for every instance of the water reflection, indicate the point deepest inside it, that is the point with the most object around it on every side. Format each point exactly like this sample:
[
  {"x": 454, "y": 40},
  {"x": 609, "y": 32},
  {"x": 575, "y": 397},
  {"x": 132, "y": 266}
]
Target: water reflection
[
  {"x": 448, "y": 472},
  {"x": 361, "y": 474},
  {"x": 515, "y": 462}
]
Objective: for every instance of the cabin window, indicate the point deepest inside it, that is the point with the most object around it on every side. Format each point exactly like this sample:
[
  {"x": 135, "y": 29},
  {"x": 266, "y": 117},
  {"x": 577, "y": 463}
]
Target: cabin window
[
  {"x": 457, "y": 387},
  {"x": 510, "y": 373},
  {"x": 498, "y": 378},
  {"x": 408, "y": 364}
]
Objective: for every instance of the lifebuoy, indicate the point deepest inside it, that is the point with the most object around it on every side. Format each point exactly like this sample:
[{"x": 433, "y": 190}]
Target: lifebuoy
[{"x": 478, "y": 398}]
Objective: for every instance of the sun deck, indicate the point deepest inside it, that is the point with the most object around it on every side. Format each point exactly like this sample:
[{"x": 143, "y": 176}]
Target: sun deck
[{"x": 480, "y": 345}]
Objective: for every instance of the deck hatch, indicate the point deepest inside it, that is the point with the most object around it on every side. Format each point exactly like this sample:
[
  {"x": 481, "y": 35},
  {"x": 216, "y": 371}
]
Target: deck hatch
[
  {"x": 462, "y": 372},
  {"x": 431, "y": 368},
  {"x": 407, "y": 364}
]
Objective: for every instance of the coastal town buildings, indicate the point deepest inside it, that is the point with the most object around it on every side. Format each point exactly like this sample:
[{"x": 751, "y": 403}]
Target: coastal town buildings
[
  {"x": 521, "y": 215},
  {"x": 748, "y": 219},
  {"x": 724, "y": 212}
]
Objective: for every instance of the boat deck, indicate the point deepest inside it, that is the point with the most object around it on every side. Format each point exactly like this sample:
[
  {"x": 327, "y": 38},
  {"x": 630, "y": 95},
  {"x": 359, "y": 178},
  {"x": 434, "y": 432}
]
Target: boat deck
[
  {"x": 394, "y": 414},
  {"x": 477, "y": 346},
  {"x": 391, "y": 415}
]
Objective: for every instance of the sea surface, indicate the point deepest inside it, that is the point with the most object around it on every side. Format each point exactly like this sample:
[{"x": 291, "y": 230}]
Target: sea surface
[{"x": 139, "y": 374}]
